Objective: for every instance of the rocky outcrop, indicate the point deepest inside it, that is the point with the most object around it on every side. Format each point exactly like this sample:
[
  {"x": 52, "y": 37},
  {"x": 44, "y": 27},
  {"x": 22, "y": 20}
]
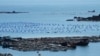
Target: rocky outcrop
[
  {"x": 70, "y": 20},
  {"x": 82, "y": 42},
  {"x": 92, "y": 11},
  {"x": 5, "y": 54},
  {"x": 46, "y": 43},
  {"x": 12, "y": 12},
  {"x": 92, "y": 18}
]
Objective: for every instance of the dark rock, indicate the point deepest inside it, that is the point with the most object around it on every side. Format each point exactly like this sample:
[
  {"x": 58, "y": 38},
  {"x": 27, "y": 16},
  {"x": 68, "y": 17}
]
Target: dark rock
[
  {"x": 64, "y": 44},
  {"x": 47, "y": 43},
  {"x": 83, "y": 42},
  {"x": 92, "y": 11},
  {"x": 12, "y": 12},
  {"x": 93, "y": 18},
  {"x": 5, "y": 54},
  {"x": 70, "y": 20},
  {"x": 71, "y": 45}
]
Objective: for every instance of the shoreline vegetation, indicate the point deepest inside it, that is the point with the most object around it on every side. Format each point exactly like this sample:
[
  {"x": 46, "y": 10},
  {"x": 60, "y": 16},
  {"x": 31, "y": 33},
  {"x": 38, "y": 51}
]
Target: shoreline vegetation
[
  {"x": 46, "y": 43},
  {"x": 92, "y": 18}
]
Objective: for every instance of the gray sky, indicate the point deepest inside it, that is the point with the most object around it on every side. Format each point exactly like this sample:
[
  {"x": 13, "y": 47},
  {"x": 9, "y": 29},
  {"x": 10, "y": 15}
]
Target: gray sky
[{"x": 47, "y": 2}]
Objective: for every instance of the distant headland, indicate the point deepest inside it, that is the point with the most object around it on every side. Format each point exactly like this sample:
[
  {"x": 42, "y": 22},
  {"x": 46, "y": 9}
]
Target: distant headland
[
  {"x": 11, "y": 12},
  {"x": 92, "y": 18}
]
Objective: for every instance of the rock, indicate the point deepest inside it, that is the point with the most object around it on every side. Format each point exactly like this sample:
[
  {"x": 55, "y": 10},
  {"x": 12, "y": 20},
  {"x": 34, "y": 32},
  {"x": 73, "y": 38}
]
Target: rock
[
  {"x": 63, "y": 44},
  {"x": 47, "y": 43},
  {"x": 13, "y": 12},
  {"x": 93, "y": 18},
  {"x": 92, "y": 11},
  {"x": 5, "y": 54},
  {"x": 70, "y": 20},
  {"x": 83, "y": 42}
]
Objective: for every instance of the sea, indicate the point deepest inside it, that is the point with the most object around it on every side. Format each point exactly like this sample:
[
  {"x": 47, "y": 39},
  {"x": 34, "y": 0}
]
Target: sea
[{"x": 50, "y": 17}]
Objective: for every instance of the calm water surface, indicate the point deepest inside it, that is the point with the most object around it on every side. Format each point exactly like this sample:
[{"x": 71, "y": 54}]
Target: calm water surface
[
  {"x": 51, "y": 14},
  {"x": 48, "y": 14}
]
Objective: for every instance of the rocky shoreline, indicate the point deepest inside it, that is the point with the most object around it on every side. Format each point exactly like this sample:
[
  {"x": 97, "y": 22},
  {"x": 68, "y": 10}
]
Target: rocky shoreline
[
  {"x": 92, "y": 18},
  {"x": 46, "y": 43},
  {"x": 5, "y": 54}
]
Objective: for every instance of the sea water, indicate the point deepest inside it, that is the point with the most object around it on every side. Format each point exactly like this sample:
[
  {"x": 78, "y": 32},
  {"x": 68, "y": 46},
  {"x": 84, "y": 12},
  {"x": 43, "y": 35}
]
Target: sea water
[
  {"x": 48, "y": 15},
  {"x": 58, "y": 29}
]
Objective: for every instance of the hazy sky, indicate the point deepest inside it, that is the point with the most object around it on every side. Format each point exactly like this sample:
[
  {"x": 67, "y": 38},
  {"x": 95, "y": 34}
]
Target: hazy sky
[{"x": 47, "y": 2}]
